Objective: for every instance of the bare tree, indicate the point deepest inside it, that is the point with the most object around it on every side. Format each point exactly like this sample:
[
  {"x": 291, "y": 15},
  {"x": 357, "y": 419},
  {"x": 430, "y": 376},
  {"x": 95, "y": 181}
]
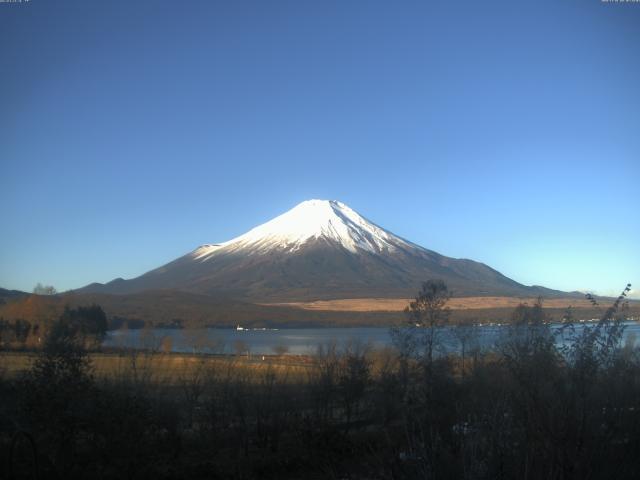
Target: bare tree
[
  {"x": 353, "y": 378},
  {"x": 241, "y": 347},
  {"x": 429, "y": 312},
  {"x": 41, "y": 289},
  {"x": 193, "y": 385},
  {"x": 464, "y": 332},
  {"x": 280, "y": 349},
  {"x": 166, "y": 344}
]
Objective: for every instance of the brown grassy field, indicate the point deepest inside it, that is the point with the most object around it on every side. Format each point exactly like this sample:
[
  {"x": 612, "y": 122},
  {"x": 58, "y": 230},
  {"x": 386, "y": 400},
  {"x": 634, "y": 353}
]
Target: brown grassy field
[
  {"x": 169, "y": 369},
  {"x": 398, "y": 304}
]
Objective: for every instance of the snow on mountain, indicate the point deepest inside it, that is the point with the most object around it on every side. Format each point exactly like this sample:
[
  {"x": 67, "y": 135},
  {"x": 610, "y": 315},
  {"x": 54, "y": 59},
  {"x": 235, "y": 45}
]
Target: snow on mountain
[{"x": 311, "y": 220}]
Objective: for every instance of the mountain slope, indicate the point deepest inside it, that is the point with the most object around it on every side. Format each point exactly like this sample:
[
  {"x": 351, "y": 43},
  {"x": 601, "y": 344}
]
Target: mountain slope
[
  {"x": 6, "y": 295},
  {"x": 318, "y": 250}
]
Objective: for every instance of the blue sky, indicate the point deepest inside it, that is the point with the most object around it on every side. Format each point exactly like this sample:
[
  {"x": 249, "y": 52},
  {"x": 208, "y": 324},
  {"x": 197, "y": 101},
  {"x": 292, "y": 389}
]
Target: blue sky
[{"x": 506, "y": 132}]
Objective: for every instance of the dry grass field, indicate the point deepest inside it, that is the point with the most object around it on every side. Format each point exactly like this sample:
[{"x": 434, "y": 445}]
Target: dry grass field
[
  {"x": 398, "y": 304},
  {"x": 170, "y": 369}
]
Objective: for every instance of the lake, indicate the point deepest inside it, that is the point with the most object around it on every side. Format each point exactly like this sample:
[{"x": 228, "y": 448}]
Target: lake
[{"x": 297, "y": 341}]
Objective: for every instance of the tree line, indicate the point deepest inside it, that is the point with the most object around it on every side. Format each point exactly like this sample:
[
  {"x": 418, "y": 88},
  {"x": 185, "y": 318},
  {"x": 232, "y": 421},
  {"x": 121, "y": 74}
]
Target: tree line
[
  {"x": 531, "y": 407},
  {"x": 86, "y": 322}
]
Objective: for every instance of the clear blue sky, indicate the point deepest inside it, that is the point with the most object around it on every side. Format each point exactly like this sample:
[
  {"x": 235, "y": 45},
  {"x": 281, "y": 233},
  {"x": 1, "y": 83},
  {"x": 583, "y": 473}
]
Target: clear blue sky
[{"x": 503, "y": 131}]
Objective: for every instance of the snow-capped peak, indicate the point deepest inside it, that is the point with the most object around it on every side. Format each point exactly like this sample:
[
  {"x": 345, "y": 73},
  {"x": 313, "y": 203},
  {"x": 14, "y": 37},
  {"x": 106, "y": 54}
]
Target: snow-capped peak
[{"x": 312, "y": 219}]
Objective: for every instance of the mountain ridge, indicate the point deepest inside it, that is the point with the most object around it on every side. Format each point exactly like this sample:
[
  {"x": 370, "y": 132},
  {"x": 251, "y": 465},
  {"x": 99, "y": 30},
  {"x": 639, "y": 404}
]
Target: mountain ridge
[{"x": 320, "y": 249}]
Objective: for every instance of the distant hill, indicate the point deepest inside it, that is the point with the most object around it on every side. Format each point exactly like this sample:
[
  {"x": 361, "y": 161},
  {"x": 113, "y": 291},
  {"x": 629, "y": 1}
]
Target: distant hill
[{"x": 6, "y": 295}]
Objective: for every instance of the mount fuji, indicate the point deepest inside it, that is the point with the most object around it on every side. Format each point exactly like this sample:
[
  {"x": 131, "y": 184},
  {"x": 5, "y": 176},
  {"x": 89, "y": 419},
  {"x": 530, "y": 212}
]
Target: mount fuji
[{"x": 320, "y": 249}]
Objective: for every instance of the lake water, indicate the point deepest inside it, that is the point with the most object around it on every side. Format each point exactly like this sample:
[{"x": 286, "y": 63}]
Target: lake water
[{"x": 298, "y": 341}]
